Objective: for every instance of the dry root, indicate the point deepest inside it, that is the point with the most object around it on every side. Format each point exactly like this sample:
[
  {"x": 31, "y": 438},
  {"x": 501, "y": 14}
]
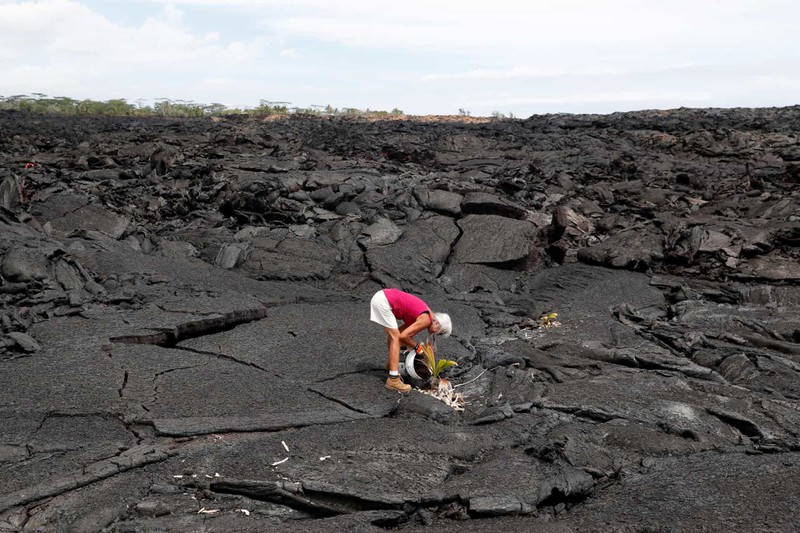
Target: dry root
[{"x": 444, "y": 391}]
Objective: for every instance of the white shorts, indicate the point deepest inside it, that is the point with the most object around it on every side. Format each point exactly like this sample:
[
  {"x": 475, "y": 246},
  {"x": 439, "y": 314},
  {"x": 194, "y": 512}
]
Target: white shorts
[{"x": 381, "y": 312}]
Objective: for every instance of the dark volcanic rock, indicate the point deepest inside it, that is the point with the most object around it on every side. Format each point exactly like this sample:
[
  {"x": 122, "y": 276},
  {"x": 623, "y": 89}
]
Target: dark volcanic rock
[
  {"x": 24, "y": 264},
  {"x": 445, "y": 202},
  {"x": 482, "y": 203},
  {"x": 492, "y": 239},
  {"x": 418, "y": 255},
  {"x": 632, "y": 251},
  {"x": 185, "y": 340},
  {"x": 92, "y": 218}
]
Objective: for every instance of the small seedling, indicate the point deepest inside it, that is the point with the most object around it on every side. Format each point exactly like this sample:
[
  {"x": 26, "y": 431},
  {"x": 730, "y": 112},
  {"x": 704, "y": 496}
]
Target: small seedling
[
  {"x": 549, "y": 320},
  {"x": 435, "y": 366}
]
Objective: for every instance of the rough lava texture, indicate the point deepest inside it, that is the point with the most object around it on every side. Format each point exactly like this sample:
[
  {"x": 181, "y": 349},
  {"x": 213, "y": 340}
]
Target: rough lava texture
[{"x": 185, "y": 343}]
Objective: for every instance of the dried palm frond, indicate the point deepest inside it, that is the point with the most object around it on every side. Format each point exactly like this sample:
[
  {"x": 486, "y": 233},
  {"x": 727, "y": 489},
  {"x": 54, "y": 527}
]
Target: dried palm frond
[{"x": 444, "y": 391}]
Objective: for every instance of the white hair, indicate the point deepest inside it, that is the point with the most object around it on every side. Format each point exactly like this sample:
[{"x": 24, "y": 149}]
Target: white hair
[{"x": 445, "y": 324}]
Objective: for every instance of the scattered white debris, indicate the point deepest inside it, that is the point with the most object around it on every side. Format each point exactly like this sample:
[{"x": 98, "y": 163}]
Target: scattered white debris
[
  {"x": 285, "y": 446},
  {"x": 207, "y": 511},
  {"x": 245, "y": 511},
  {"x": 276, "y": 463},
  {"x": 445, "y": 392},
  {"x": 325, "y": 457}
]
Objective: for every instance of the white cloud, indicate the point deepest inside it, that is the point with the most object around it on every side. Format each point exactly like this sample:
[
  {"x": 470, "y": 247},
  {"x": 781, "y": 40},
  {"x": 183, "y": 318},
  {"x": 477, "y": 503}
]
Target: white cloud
[
  {"x": 424, "y": 56},
  {"x": 694, "y": 97},
  {"x": 577, "y": 27},
  {"x": 59, "y": 46},
  {"x": 516, "y": 72},
  {"x": 290, "y": 53},
  {"x": 218, "y": 81}
]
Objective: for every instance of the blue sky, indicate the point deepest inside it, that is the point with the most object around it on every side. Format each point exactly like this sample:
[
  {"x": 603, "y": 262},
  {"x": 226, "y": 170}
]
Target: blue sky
[{"x": 422, "y": 56}]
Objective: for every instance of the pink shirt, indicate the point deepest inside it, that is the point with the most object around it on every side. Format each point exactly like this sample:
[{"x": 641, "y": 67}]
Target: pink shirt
[{"x": 405, "y": 307}]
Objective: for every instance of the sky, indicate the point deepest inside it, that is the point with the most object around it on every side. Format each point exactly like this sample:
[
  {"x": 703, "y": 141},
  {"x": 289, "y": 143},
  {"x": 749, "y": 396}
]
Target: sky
[{"x": 421, "y": 56}]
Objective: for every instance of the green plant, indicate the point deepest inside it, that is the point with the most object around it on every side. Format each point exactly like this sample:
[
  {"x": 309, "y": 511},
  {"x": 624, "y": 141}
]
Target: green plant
[
  {"x": 548, "y": 320},
  {"x": 436, "y": 366},
  {"x": 61, "y": 105}
]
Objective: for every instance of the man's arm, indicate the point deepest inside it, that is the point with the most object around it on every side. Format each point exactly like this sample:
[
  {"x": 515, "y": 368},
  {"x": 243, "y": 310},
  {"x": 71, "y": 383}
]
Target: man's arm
[{"x": 407, "y": 332}]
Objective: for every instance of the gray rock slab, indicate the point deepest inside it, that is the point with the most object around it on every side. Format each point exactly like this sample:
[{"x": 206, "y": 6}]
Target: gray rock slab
[
  {"x": 576, "y": 291},
  {"x": 382, "y": 232},
  {"x": 290, "y": 259},
  {"x": 21, "y": 264},
  {"x": 56, "y": 379},
  {"x": 175, "y": 249},
  {"x": 482, "y": 203},
  {"x": 305, "y": 342},
  {"x": 50, "y": 205},
  {"x": 466, "y": 277},
  {"x": 482, "y": 506},
  {"x": 189, "y": 426},
  {"x": 61, "y": 443},
  {"x": 671, "y": 403},
  {"x": 492, "y": 239},
  {"x": 346, "y": 466},
  {"x": 232, "y": 254},
  {"x": 24, "y": 341},
  {"x": 12, "y": 454},
  {"x": 631, "y": 250},
  {"x": 737, "y": 367},
  {"x": 752, "y": 491},
  {"x": 16, "y": 233},
  {"x": 220, "y": 387},
  {"x": 499, "y": 477},
  {"x": 419, "y": 404},
  {"x": 419, "y": 254},
  {"x": 131, "y": 458},
  {"x": 440, "y": 201},
  {"x": 771, "y": 268},
  {"x": 195, "y": 277},
  {"x": 92, "y": 218},
  {"x": 9, "y": 192},
  {"x": 361, "y": 392},
  {"x": 68, "y": 275}
]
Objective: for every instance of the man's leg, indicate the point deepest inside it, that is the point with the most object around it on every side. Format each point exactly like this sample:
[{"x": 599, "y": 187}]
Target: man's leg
[
  {"x": 394, "y": 382},
  {"x": 393, "y": 346},
  {"x": 389, "y": 344},
  {"x": 389, "y": 351}
]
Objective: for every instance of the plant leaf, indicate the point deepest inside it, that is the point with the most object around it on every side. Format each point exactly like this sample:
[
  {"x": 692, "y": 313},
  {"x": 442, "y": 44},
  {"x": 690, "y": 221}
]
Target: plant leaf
[
  {"x": 430, "y": 358},
  {"x": 442, "y": 365}
]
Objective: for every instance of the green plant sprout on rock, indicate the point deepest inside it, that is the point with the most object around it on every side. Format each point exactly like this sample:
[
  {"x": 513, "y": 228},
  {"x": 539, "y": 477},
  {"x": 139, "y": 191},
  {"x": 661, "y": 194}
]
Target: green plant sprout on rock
[
  {"x": 435, "y": 366},
  {"x": 439, "y": 387},
  {"x": 549, "y": 320}
]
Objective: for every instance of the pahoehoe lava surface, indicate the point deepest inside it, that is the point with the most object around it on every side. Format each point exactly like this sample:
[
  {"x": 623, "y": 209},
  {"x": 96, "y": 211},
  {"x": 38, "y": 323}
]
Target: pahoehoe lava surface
[{"x": 185, "y": 343}]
